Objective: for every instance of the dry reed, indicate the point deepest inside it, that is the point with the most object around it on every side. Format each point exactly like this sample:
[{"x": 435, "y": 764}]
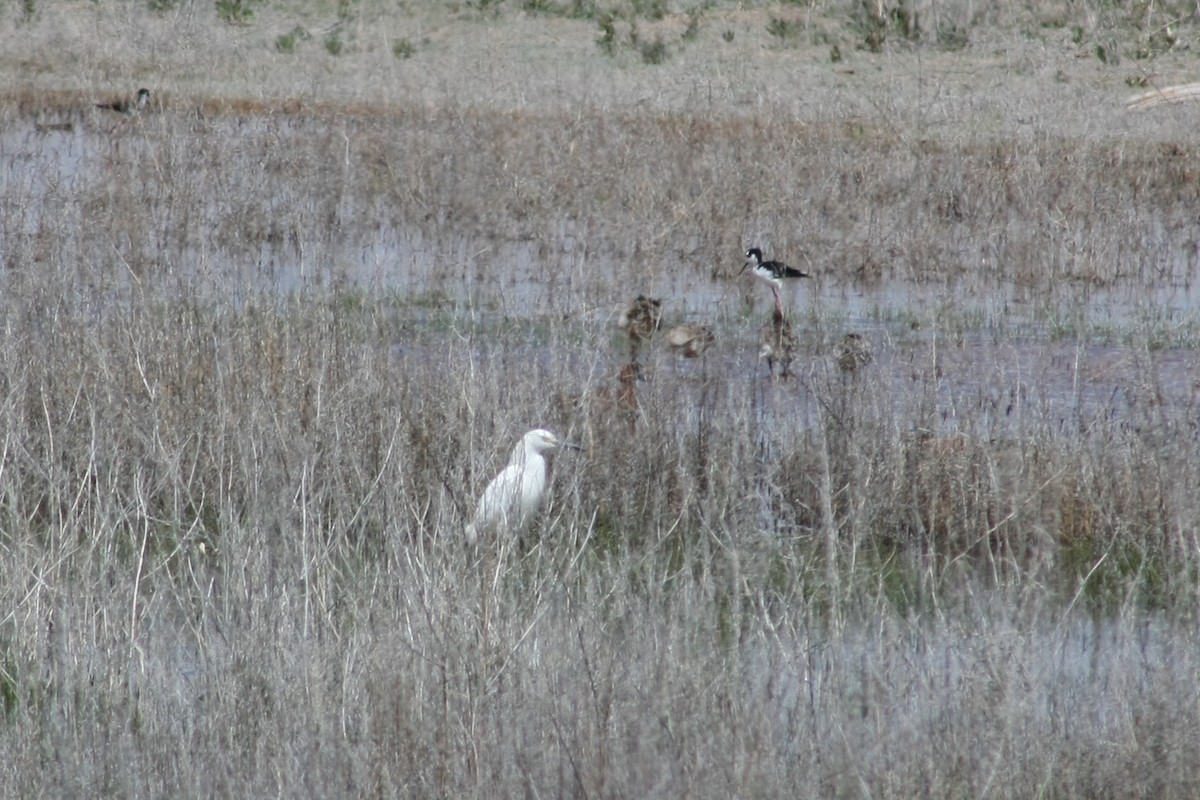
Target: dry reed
[{"x": 260, "y": 356}]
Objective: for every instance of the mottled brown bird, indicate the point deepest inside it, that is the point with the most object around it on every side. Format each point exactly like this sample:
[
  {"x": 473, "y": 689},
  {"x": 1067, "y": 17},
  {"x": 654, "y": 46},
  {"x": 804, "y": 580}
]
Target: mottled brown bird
[
  {"x": 595, "y": 408},
  {"x": 690, "y": 340},
  {"x": 853, "y": 351},
  {"x": 777, "y": 344},
  {"x": 640, "y": 320}
]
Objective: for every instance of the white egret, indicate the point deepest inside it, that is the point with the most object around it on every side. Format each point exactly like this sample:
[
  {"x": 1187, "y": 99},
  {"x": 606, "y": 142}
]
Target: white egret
[{"x": 514, "y": 496}]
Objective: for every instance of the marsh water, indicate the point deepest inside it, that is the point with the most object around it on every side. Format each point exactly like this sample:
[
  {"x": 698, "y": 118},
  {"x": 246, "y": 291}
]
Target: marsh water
[
  {"x": 257, "y": 581},
  {"x": 120, "y": 199}
]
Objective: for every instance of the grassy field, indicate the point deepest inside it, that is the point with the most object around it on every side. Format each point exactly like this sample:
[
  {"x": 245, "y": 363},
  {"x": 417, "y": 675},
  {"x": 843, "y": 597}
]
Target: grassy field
[{"x": 265, "y": 343}]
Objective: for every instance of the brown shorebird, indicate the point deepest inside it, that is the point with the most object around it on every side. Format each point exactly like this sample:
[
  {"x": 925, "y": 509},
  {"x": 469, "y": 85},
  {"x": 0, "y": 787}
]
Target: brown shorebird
[
  {"x": 777, "y": 343},
  {"x": 640, "y": 320},
  {"x": 690, "y": 340}
]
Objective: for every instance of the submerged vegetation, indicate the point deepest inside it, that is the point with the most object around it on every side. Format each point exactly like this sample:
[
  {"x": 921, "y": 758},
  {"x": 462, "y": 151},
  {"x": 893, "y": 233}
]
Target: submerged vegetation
[{"x": 262, "y": 352}]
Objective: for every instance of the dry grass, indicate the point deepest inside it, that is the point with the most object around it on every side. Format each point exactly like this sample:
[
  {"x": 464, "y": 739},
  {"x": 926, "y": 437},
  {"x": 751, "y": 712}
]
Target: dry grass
[
  {"x": 264, "y": 346},
  {"x": 1167, "y": 94},
  {"x": 639, "y": 200},
  {"x": 234, "y": 566}
]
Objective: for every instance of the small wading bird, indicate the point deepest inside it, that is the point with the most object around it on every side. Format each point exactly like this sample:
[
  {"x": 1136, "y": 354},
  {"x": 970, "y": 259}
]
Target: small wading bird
[
  {"x": 777, "y": 343},
  {"x": 128, "y": 106},
  {"x": 626, "y": 399},
  {"x": 640, "y": 320},
  {"x": 602, "y": 404},
  {"x": 690, "y": 340},
  {"x": 853, "y": 351},
  {"x": 772, "y": 273},
  {"x": 602, "y": 399},
  {"x": 512, "y": 498}
]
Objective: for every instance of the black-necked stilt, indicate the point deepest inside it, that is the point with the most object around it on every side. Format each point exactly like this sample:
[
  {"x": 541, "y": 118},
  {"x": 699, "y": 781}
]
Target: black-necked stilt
[
  {"x": 690, "y": 340},
  {"x": 853, "y": 351},
  {"x": 640, "y": 320},
  {"x": 128, "y": 106},
  {"x": 777, "y": 343},
  {"x": 772, "y": 273}
]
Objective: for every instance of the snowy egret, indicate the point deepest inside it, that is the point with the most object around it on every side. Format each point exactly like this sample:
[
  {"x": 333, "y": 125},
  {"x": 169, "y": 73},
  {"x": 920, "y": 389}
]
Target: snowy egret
[
  {"x": 640, "y": 320},
  {"x": 127, "y": 106},
  {"x": 778, "y": 343},
  {"x": 690, "y": 340},
  {"x": 772, "y": 273},
  {"x": 853, "y": 351},
  {"x": 511, "y": 499}
]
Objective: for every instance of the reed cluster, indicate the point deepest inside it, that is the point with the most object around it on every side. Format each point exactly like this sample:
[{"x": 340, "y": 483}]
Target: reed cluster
[{"x": 259, "y": 358}]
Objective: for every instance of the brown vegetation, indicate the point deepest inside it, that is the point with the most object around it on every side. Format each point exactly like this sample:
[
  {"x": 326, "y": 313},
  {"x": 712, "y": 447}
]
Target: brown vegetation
[{"x": 263, "y": 348}]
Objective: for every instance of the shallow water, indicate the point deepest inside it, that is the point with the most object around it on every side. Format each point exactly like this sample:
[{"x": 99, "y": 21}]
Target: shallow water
[
  {"x": 571, "y": 268},
  {"x": 1001, "y": 360}
]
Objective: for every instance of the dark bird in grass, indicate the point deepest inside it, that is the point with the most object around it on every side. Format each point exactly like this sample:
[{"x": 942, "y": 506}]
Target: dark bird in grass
[
  {"x": 777, "y": 344},
  {"x": 600, "y": 406},
  {"x": 627, "y": 399},
  {"x": 853, "y": 351},
  {"x": 772, "y": 273},
  {"x": 128, "y": 106},
  {"x": 603, "y": 400},
  {"x": 640, "y": 320},
  {"x": 690, "y": 340}
]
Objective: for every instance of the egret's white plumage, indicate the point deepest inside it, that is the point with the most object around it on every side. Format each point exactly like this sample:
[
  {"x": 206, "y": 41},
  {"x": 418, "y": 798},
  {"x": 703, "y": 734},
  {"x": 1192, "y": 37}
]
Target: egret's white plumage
[{"x": 514, "y": 496}]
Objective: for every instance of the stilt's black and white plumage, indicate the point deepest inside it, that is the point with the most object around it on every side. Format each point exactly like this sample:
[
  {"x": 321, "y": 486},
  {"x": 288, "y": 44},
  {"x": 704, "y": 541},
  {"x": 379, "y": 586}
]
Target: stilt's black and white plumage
[
  {"x": 128, "y": 106},
  {"x": 772, "y": 273}
]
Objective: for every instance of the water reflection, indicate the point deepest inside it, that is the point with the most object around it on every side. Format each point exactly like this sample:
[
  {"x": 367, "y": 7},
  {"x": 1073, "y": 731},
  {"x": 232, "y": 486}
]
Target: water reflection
[{"x": 112, "y": 210}]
